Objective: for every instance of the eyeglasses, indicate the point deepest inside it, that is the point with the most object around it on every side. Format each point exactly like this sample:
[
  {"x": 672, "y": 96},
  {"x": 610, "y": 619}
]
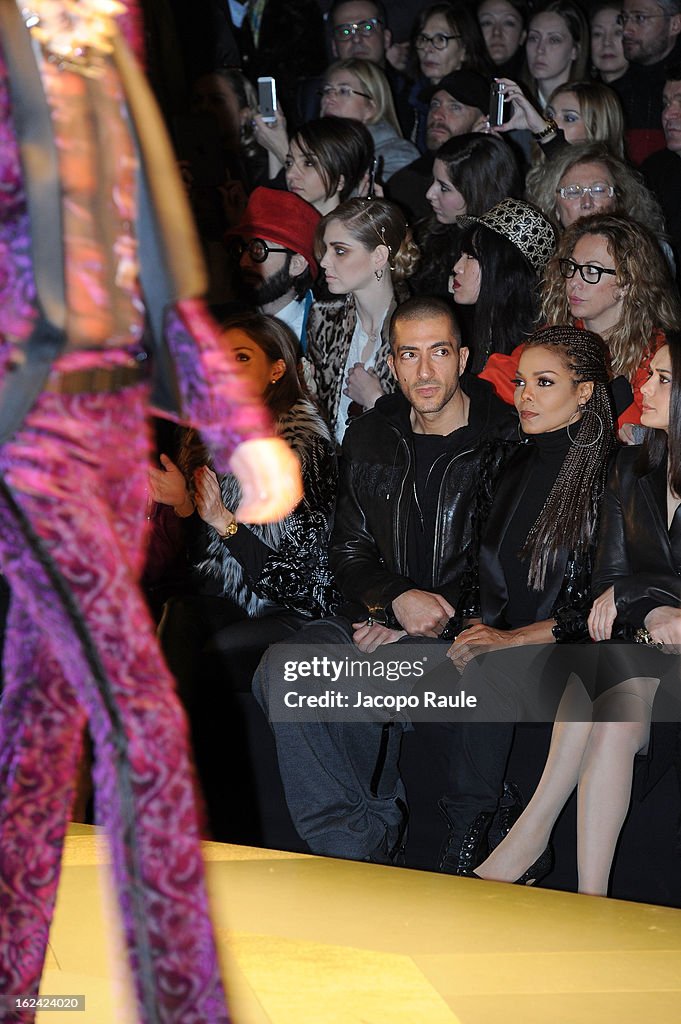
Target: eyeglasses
[
  {"x": 439, "y": 41},
  {"x": 257, "y": 249},
  {"x": 599, "y": 190},
  {"x": 341, "y": 90},
  {"x": 588, "y": 273},
  {"x": 639, "y": 18},
  {"x": 365, "y": 28}
]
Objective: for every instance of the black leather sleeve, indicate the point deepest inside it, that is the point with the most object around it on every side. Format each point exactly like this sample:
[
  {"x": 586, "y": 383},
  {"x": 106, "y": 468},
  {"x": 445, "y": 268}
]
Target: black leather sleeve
[
  {"x": 356, "y": 560},
  {"x": 611, "y": 563}
]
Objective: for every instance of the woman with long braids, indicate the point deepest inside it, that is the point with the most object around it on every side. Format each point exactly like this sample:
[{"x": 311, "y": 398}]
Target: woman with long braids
[
  {"x": 636, "y": 576},
  {"x": 532, "y": 582}
]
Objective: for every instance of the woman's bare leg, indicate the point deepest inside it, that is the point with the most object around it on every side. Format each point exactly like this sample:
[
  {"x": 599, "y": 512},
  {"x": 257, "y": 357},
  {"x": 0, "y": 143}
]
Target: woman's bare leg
[
  {"x": 530, "y": 835},
  {"x": 605, "y": 779}
]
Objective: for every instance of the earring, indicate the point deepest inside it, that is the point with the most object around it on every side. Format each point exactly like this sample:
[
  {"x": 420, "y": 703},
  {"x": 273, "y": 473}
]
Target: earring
[
  {"x": 582, "y": 409},
  {"x": 275, "y": 381},
  {"x": 379, "y": 274}
]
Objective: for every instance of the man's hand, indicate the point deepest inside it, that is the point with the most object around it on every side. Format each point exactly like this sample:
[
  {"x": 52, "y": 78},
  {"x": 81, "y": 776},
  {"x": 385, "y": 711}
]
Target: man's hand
[
  {"x": 421, "y": 613},
  {"x": 269, "y": 475},
  {"x": 368, "y": 636},
  {"x": 602, "y": 615},
  {"x": 664, "y": 625}
]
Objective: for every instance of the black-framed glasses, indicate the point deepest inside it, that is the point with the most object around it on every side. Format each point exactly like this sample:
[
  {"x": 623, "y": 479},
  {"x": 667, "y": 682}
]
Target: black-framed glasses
[
  {"x": 587, "y": 271},
  {"x": 367, "y": 27},
  {"x": 341, "y": 90},
  {"x": 257, "y": 249},
  {"x": 638, "y": 18},
  {"x": 599, "y": 190},
  {"x": 439, "y": 41}
]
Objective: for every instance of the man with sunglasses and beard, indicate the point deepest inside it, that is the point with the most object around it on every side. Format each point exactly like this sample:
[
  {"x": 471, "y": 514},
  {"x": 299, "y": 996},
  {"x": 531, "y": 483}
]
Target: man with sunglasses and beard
[{"x": 274, "y": 248}]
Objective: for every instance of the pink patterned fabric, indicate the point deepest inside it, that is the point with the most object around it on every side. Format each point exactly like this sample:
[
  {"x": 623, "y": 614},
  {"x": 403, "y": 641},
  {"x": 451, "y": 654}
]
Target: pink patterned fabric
[
  {"x": 80, "y": 646},
  {"x": 78, "y": 472}
]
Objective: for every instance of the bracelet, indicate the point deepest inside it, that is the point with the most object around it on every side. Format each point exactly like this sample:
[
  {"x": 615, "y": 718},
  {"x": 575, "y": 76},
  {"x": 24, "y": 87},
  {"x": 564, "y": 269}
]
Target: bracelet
[
  {"x": 551, "y": 129},
  {"x": 230, "y": 529}
]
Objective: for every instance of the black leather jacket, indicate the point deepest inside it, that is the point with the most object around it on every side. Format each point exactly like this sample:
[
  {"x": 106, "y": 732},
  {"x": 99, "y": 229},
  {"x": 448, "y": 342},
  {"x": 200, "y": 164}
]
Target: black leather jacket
[
  {"x": 636, "y": 553},
  {"x": 376, "y": 497}
]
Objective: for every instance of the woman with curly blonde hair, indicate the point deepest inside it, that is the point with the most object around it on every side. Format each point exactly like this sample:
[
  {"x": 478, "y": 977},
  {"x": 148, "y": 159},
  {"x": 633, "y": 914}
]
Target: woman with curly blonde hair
[
  {"x": 610, "y": 276},
  {"x": 365, "y": 249},
  {"x": 588, "y": 178}
]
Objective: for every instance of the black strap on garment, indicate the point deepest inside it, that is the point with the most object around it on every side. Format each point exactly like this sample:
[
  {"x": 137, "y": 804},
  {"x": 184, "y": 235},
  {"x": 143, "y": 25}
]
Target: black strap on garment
[{"x": 40, "y": 164}]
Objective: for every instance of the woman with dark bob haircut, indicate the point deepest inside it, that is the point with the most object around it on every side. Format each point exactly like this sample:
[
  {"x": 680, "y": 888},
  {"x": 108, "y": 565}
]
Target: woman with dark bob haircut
[
  {"x": 471, "y": 173},
  {"x": 328, "y": 161}
]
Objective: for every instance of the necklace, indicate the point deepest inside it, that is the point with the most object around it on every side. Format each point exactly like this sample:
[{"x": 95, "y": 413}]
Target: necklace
[{"x": 74, "y": 34}]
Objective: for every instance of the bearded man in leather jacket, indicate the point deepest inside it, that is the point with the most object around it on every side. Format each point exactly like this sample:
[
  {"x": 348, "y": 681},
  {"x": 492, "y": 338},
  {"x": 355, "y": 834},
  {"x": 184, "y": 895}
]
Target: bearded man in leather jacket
[{"x": 411, "y": 470}]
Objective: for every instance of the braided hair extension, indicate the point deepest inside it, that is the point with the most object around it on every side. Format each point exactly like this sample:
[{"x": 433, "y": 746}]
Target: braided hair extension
[{"x": 569, "y": 517}]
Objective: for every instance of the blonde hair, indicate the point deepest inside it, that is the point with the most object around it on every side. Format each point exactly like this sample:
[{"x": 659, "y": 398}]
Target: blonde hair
[
  {"x": 643, "y": 274},
  {"x": 375, "y": 84},
  {"x": 601, "y": 113},
  {"x": 375, "y": 222},
  {"x": 631, "y": 196}
]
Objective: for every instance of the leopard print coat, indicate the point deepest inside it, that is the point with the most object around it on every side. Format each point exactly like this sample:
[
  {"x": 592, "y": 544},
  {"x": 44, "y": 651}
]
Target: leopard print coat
[{"x": 331, "y": 326}]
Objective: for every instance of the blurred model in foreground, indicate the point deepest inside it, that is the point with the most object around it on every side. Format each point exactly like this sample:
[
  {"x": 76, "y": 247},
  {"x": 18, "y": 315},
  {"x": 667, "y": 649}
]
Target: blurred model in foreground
[{"x": 98, "y": 270}]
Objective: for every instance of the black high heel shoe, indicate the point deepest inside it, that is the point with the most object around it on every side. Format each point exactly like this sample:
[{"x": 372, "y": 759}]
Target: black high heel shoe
[{"x": 540, "y": 869}]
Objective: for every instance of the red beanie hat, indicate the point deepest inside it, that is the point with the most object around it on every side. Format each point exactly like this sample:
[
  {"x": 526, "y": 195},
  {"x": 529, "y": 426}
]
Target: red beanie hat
[{"x": 281, "y": 217}]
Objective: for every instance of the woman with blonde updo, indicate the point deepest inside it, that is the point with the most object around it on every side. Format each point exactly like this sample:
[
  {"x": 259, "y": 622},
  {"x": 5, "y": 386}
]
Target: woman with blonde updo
[{"x": 365, "y": 249}]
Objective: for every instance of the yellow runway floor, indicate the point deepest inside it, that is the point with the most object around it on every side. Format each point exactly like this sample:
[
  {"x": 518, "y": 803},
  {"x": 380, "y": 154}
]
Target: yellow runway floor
[{"x": 306, "y": 940}]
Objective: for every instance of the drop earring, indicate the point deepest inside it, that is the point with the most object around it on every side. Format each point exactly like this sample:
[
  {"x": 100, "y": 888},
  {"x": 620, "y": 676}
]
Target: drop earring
[{"x": 379, "y": 274}]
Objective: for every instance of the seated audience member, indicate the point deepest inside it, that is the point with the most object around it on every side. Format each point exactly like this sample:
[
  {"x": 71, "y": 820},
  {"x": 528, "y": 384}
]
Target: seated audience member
[
  {"x": 557, "y": 47},
  {"x": 503, "y": 24},
  {"x": 586, "y": 179},
  {"x": 609, "y": 276},
  {"x": 249, "y": 584},
  {"x": 470, "y": 174},
  {"x": 328, "y": 161},
  {"x": 358, "y": 89},
  {"x": 636, "y": 578},
  {"x": 456, "y": 106},
  {"x": 651, "y": 40},
  {"x": 447, "y": 39},
  {"x": 365, "y": 250},
  {"x": 360, "y": 30},
  {"x": 575, "y": 112},
  {"x": 662, "y": 171},
  {"x": 531, "y": 585},
  {"x": 503, "y": 256},
  {"x": 608, "y": 62},
  {"x": 274, "y": 244},
  {"x": 230, "y": 99},
  {"x": 410, "y": 466}
]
